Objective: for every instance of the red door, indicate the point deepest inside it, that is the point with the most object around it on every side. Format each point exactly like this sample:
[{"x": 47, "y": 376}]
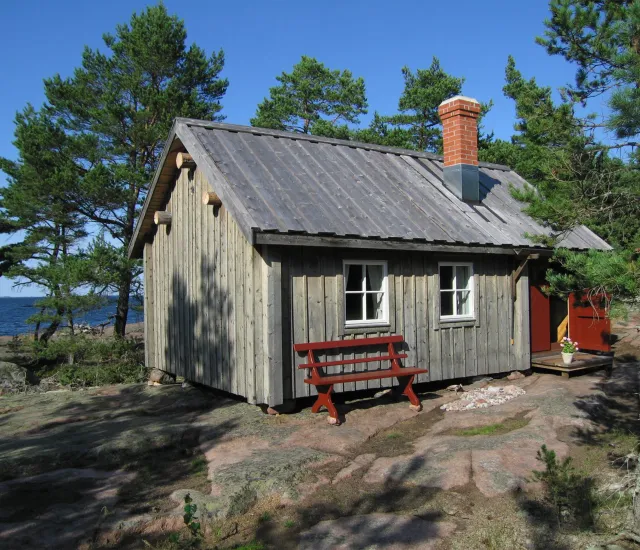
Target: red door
[
  {"x": 540, "y": 320},
  {"x": 589, "y": 324}
]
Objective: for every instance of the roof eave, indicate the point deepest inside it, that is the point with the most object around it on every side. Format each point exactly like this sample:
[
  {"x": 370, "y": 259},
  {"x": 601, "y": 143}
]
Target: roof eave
[{"x": 137, "y": 241}]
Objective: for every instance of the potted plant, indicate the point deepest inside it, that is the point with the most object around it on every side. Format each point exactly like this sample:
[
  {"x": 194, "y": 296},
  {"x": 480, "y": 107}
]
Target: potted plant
[{"x": 568, "y": 349}]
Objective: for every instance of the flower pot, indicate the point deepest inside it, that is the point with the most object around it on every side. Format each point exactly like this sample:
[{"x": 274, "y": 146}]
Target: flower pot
[{"x": 567, "y": 358}]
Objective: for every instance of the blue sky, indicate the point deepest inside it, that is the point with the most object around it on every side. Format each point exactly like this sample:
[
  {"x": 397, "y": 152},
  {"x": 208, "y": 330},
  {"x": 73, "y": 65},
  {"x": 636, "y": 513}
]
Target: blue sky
[{"x": 373, "y": 39}]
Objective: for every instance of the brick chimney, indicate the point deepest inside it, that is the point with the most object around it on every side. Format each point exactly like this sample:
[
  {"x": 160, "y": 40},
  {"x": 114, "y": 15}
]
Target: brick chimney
[{"x": 459, "y": 117}]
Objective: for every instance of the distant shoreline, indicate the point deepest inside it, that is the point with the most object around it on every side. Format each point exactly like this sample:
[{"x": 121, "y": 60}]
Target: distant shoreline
[{"x": 133, "y": 330}]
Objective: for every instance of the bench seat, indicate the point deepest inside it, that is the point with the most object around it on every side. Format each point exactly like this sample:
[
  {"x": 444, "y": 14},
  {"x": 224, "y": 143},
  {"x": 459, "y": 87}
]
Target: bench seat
[{"x": 364, "y": 375}]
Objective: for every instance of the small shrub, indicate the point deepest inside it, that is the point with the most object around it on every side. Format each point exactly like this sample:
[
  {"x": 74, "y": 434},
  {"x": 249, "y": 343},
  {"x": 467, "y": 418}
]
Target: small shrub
[
  {"x": 289, "y": 523},
  {"x": 82, "y": 361},
  {"x": 199, "y": 465},
  {"x": 189, "y": 517},
  {"x": 569, "y": 491}
]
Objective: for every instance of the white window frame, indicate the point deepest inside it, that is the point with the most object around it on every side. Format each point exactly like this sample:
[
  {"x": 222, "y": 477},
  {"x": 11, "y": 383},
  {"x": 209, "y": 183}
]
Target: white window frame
[
  {"x": 364, "y": 292},
  {"x": 470, "y": 287}
]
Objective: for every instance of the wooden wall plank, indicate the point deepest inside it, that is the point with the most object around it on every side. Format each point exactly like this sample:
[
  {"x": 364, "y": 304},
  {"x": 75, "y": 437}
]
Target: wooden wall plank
[
  {"x": 258, "y": 315},
  {"x": 299, "y": 319},
  {"x": 177, "y": 276},
  {"x": 149, "y": 305},
  {"x": 163, "y": 296},
  {"x": 240, "y": 318},
  {"x": 459, "y": 360},
  {"x": 231, "y": 284},
  {"x": 249, "y": 319},
  {"x": 482, "y": 328},
  {"x": 522, "y": 322},
  {"x": 447, "y": 353},
  {"x": 435, "y": 337},
  {"x": 218, "y": 299},
  {"x": 274, "y": 326},
  {"x": 470, "y": 354},
  {"x": 493, "y": 350},
  {"x": 504, "y": 310},
  {"x": 189, "y": 272},
  {"x": 409, "y": 269},
  {"x": 287, "y": 344},
  {"x": 422, "y": 319},
  {"x": 198, "y": 302},
  {"x": 206, "y": 285},
  {"x": 225, "y": 382},
  {"x": 173, "y": 343}
]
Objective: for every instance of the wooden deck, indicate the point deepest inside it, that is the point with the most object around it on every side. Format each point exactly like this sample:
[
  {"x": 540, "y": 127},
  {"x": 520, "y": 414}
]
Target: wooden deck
[{"x": 582, "y": 363}]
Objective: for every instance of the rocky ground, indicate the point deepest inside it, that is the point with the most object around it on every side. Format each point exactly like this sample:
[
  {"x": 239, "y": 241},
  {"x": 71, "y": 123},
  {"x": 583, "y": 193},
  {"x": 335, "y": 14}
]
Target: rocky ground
[{"x": 110, "y": 467}]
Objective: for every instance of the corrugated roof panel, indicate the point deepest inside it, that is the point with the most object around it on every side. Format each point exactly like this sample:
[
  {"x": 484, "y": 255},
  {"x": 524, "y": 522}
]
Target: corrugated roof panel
[{"x": 287, "y": 182}]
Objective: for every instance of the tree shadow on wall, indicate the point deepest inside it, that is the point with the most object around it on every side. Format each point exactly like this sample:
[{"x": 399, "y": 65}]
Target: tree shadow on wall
[{"x": 197, "y": 345}]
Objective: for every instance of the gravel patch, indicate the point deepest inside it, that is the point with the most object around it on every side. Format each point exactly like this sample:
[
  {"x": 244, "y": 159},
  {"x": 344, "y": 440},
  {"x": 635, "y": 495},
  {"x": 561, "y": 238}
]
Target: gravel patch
[{"x": 483, "y": 398}]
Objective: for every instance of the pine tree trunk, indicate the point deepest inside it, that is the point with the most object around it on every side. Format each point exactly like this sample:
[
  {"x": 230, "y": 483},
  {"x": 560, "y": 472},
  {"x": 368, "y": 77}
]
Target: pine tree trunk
[
  {"x": 122, "y": 309},
  {"x": 51, "y": 329},
  {"x": 36, "y": 332}
]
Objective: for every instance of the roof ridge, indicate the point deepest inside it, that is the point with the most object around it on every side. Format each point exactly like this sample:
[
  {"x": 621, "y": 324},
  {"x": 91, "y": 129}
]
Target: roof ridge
[{"x": 321, "y": 139}]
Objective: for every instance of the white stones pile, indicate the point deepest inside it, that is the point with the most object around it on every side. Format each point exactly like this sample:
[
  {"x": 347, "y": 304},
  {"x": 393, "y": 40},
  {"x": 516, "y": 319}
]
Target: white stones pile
[{"x": 484, "y": 397}]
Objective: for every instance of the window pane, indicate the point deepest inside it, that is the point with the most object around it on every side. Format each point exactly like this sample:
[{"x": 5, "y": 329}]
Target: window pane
[
  {"x": 463, "y": 302},
  {"x": 353, "y": 306},
  {"x": 353, "y": 273},
  {"x": 375, "y": 277},
  {"x": 375, "y": 308},
  {"x": 446, "y": 303},
  {"x": 446, "y": 277},
  {"x": 463, "y": 273}
]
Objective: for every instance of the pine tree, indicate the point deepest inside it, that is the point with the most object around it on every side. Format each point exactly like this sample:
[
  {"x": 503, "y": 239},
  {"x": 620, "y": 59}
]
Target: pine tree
[
  {"x": 313, "y": 99},
  {"x": 602, "y": 38},
  {"x": 35, "y": 203},
  {"x": 423, "y": 92},
  {"x": 574, "y": 181},
  {"x": 417, "y": 126},
  {"x": 117, "y": 108}
]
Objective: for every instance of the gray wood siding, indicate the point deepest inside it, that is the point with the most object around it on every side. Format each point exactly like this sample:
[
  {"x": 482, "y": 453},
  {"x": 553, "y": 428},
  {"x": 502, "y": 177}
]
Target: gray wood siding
[
  {"x": 206, "y": 299},
  {"x": 313, "y": 299}
]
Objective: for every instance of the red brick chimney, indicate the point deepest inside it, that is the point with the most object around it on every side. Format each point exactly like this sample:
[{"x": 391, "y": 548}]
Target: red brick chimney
[{"x": 459, "y": 117}]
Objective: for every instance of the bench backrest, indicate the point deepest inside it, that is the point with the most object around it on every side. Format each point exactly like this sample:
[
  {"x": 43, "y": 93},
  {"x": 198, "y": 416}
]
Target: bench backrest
[
  {"x": 389, "y": 341},
  {"x": 355, "y": 343}
]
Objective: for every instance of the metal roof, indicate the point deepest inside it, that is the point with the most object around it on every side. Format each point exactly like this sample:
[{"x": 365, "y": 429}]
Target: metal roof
[{"x": 282, "y": 182}]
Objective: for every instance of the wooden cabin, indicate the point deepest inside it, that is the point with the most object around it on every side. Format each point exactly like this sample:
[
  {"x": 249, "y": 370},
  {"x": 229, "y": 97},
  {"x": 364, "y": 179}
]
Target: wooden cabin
[{"x": 254, "y": 240}]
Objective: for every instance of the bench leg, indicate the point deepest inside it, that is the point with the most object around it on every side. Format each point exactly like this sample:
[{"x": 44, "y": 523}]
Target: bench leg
[
  {"x": 324, "y": 400},
  {"x": 406, "y": 388}
]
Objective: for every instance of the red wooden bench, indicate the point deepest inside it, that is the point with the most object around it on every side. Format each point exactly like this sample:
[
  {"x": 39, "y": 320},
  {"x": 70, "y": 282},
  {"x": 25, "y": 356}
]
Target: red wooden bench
[{"x": 324, "y": 382}]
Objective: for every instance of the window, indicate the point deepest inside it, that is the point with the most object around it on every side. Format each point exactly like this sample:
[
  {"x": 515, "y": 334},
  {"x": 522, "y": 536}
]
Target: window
[
  {"x": 366, "y": 298},
  {"x": 456, "y": 290}
]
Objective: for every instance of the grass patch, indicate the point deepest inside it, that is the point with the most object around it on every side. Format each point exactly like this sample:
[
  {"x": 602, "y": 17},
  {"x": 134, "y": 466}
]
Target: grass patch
[
  {"x": 500, "y": 428},
  {"x": 199, "y": 465},
  {"x": 399, "y": 440},
  {"x": 251, "y": 546},
  {"x": 492, "y": 429},
  {"x": 264, "y": 517}
]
